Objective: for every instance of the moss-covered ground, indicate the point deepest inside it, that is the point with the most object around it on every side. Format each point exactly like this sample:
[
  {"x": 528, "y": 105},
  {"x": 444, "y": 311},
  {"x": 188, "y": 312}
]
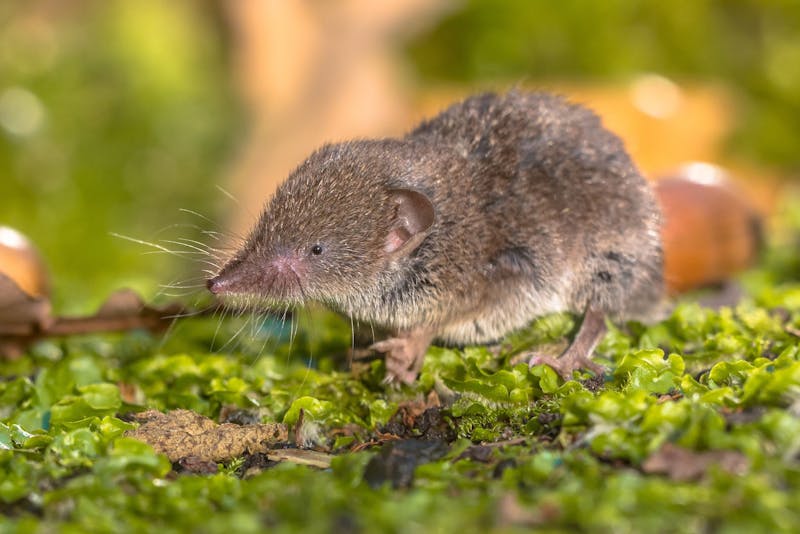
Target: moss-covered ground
[{"x": 694, "y": 428}]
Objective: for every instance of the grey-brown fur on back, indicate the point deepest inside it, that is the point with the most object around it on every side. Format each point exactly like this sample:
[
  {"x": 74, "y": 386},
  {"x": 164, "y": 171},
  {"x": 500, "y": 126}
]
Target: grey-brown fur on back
[{"x": 528, "y": 187}]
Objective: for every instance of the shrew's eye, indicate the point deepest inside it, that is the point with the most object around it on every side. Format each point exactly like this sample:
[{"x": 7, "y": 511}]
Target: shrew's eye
[{"x": 316, "y": 250}]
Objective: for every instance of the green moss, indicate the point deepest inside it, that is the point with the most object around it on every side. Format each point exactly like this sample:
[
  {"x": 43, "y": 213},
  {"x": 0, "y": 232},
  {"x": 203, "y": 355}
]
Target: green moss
[
  {"x": 562, "y": 455},
  {"x": 726, "y": 380}
]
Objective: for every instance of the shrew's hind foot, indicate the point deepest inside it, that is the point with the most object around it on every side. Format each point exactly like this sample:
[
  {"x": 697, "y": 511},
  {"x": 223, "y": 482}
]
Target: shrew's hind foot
[{"x": 579, "y": 354}]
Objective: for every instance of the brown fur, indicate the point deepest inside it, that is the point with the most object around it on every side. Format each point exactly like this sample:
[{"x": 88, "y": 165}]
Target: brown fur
[{"x": 537, "y": 208}]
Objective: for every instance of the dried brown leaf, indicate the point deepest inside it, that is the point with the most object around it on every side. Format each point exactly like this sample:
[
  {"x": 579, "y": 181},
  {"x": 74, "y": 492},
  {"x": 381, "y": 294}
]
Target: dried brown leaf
[
  {"x": 682, "y": 464},
  {"x": 20, "y": 308},
  {"x": 121, "y": 303},
  {"x": 512, "y": 513}
]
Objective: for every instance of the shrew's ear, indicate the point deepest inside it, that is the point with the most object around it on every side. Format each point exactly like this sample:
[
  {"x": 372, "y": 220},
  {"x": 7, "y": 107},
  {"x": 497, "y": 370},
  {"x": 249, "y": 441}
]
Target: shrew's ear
[{"x": 412, "y": 217}]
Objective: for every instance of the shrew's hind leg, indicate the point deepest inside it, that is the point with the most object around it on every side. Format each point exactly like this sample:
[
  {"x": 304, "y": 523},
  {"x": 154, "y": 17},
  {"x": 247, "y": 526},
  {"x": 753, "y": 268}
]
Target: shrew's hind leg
[{"x": 579, "y": 354}]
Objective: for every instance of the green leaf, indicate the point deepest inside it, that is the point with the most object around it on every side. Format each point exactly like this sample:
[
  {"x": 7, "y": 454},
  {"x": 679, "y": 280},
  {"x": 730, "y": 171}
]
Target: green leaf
[
  {"x": 380, "y": 411},
  {"x": 92, "y": 401},
  {"x": 126, "y": 455}
]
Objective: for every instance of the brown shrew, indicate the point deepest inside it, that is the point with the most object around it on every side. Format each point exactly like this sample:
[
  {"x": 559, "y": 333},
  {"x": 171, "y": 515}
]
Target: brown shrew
[{"x": 498, "y": 210}]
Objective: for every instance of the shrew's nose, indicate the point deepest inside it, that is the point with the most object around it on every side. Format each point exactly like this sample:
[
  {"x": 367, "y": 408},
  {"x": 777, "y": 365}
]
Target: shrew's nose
[{"x": 216, "y": 285}]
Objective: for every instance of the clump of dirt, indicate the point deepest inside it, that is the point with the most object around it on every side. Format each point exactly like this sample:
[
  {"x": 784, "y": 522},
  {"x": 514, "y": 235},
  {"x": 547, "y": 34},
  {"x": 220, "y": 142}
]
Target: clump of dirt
[{"x": 182, "y": 434}]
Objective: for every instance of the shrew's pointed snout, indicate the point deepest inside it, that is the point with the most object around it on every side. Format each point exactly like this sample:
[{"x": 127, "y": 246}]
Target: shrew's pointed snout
[
  {"x": 216, "y": 285},
  {"x": 235, "y": 277},
  {"x": 276, "y": 278}
]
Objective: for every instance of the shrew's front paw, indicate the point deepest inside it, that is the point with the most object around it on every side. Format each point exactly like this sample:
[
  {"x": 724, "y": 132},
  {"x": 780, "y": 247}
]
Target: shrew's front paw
[
  {"x": 404, "y": 355},
  {"x": 403, "y": 363}
]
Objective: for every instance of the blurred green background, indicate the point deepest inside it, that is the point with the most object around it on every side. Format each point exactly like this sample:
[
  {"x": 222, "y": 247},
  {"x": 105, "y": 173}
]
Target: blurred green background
[
  {"x": 753, "y": 46},
  {"x": 116, "y": 114},
  {"x": 113, "y": 116}
]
